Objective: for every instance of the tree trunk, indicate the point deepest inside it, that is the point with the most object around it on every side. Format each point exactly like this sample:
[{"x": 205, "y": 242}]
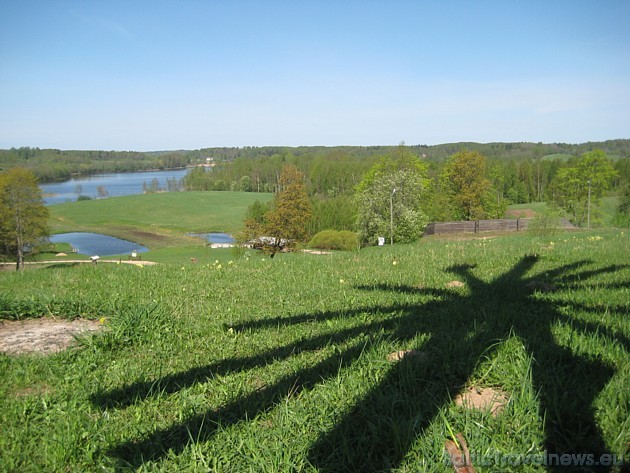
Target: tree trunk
[{"x": 19, "y": 262}]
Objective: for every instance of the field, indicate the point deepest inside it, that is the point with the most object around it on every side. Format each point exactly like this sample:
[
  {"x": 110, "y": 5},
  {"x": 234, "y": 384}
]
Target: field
[
  {"x": 285, "y": 364},
  {"x": 157, "y": 221}
]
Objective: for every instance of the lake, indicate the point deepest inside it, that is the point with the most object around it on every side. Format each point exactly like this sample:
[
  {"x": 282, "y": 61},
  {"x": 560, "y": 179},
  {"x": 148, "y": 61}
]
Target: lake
[
  {"x": 97, "y": 244},
  {"x": 214, "y": 237},
  {"x": 114, "y": 184}
]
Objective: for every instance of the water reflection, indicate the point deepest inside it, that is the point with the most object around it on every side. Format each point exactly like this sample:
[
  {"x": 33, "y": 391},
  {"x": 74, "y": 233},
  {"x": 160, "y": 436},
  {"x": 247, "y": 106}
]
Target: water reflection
[
  {"x": 214, "y": 237},
  {"x": 97, "y": 244},
  {"x": 112, "y": 185}
]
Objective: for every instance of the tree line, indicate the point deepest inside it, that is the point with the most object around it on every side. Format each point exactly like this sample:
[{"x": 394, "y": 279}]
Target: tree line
[
  {"x": 520, "y": 172},
  {"x": 400, "y": 193},
  {"x": 395, "y": 193},
  {"x": 258, "y": 168},
  {"x": 58, "y": 165}
]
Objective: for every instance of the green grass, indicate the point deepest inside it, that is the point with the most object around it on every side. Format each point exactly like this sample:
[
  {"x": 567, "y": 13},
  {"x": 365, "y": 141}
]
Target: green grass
[
  {"x": 281, "y": 364},
  {"x": 157, "y": 220},
  {"x": 602, "y": 216},
  {"x": 607, "y": 209},
  {"x": 538, "y": 207},
  {"x": 560, "y": 156}
]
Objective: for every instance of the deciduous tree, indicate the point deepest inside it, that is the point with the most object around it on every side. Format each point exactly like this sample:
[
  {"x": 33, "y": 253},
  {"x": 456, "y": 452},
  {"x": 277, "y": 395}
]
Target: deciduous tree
[
  {"x": 573, "y": 187},
  {"x": 463, "y": 180},
  {"x": 398, "y": 214},
  {"x": 287, "y": 222},
  {"x": 23, "y": 216},
  {"x": 622, "y": 216}
]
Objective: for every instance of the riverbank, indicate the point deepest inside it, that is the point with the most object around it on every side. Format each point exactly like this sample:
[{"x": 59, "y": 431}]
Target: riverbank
[{"x": 36, "y": 264}]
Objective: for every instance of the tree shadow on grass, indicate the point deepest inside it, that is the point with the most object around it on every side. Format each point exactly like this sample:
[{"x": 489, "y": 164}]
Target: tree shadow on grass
[
  {"x": 61, "y": 265},
  {"x": 463, "y": 328}
]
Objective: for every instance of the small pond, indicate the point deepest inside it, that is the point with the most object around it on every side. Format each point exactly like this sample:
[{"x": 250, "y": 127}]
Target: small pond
[
  {"x": 97, "y": 244},
  {"x": 214, "y": 237}
]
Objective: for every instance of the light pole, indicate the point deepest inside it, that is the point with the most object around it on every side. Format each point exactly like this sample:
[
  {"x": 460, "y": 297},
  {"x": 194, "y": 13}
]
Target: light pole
[
  {"x": 588, "y": 209},
  {"x": 391, "y": 217}
]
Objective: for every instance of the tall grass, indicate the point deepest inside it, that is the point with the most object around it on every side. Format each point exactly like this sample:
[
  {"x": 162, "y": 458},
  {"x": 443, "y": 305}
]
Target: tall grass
[{"x": 282, "y": 364}]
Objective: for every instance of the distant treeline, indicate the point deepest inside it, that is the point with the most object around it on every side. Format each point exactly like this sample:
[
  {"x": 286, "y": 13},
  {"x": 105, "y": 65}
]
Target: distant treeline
[
  {"x": 57, "y": 165},
  {"x": 520, "y": 171}
]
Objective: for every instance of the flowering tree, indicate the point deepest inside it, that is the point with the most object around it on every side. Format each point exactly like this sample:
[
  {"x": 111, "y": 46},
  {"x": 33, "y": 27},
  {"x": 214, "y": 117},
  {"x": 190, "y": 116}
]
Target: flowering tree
[{"x": 391, "y": 197}]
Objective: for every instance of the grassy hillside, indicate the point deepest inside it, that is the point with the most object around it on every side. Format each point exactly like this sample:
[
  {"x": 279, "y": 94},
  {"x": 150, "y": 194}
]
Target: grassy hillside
[
  {"x": 284, "y": 364},
  {"x": 602, "y": 214},
  {"x": 156, "y": 220}
]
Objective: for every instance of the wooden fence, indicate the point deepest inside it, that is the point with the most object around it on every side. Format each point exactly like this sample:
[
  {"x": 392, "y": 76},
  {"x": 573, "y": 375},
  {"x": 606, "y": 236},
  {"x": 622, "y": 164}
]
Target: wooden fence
[{"x": 477, "y": 226}]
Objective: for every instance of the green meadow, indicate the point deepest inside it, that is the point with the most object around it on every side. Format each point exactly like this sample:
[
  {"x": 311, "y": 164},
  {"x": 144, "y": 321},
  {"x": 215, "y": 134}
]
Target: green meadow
[
  {"x": 284, "y": 364},
  {"x": 157, "y": 220}
]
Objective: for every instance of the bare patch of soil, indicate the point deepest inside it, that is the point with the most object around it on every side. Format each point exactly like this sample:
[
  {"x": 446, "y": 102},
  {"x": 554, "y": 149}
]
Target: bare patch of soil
[
  {"x": 399, "y": 355},
  {"x": 453, "y": 284},
  {"x": 149, "y": 235},
  {"x": 520, "y": 213},
  {"x": 490, "y": 399},
  {"x": 43, "y": 335},
  {"x": 318, "y": 252},
  {"x": 35, "y": 390}
]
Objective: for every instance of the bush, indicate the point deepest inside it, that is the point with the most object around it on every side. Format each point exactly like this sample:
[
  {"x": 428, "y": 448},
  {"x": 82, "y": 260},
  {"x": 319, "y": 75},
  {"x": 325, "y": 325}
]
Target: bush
[
  {"x": 344, "y": 240},
  {"x": 546, "y": 223}
]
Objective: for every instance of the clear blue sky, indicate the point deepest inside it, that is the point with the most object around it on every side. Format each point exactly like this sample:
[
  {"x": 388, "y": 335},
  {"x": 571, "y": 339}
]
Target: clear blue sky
[{"x": 155, "y": 75}]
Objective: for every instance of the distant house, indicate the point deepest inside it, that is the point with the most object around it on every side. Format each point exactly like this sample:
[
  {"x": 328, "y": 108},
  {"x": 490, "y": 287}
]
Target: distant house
[{"x": 206, "y": 163}]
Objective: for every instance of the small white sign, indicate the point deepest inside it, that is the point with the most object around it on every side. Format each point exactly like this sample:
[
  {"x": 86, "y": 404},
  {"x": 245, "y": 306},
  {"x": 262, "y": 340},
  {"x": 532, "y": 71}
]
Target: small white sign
[{"x": 381, "y": 241}]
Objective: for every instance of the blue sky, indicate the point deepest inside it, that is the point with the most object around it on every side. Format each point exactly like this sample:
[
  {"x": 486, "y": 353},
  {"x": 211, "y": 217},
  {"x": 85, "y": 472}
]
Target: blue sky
[{"x": 156, "y": 75}]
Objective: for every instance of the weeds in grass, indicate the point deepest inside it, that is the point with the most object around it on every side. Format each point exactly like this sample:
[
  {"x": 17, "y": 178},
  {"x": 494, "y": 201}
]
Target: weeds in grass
[{"x": 277, "y": 365}]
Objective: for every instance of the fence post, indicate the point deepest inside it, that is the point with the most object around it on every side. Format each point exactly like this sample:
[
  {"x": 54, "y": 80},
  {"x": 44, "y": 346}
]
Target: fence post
[
  {"x": 476, "y": 226},
  {"x": 518, "y": 224}
]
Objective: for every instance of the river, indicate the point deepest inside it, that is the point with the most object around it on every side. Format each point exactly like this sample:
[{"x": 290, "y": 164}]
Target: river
[{"x": 109, "y": 185}]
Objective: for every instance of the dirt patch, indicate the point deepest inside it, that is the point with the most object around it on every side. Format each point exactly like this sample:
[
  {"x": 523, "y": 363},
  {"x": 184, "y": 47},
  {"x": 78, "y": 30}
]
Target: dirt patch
[
  {"x": 149, "y": 236},
  {"x": 399, "y": 355},
  {"x": 520, "y": 213},
  {"x": 490, "y": 399},
  {"x": 453, "y": 284},
  {"x": 35, "y": 390},
  {"x": 43, "y": 335},
  {"x": 318, "y": 252}
]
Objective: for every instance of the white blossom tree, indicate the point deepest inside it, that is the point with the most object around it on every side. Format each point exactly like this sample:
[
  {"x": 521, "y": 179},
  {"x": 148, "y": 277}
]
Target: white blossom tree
[{"x": 391, "y": 198}]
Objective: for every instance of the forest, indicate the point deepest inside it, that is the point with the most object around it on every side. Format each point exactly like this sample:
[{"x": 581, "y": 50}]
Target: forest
[
  {"x": 235, "y": 162},
  {"x": 512, "y": 173}
]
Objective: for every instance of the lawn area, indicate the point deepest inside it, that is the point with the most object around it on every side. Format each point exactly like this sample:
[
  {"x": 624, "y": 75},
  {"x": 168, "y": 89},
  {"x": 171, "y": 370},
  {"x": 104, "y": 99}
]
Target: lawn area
[
  {"x": 157, "y": 221},
  {"x": 285, "y": 364}
]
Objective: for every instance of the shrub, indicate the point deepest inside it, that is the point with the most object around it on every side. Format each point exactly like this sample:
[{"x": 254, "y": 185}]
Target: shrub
[
  {"x": 546, "y": 223},
  {"x": 335, "y": 240}
]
